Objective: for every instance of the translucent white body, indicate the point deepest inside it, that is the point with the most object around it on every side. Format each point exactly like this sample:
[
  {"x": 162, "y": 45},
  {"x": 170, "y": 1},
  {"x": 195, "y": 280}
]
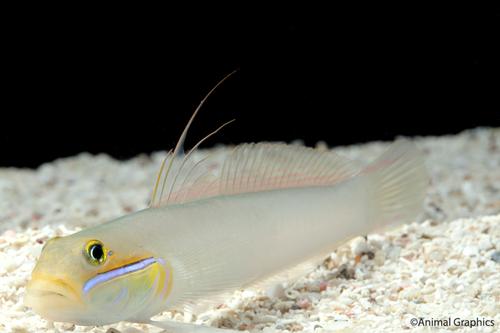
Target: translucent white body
[
  {"x": 245, "y": 237},
  {"x": 256, "y": 226}
]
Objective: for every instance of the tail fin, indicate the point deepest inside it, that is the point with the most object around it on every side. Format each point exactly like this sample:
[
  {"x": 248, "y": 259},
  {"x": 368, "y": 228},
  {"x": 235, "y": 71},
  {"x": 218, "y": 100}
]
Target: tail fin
[{"x": 397, "y": 183}]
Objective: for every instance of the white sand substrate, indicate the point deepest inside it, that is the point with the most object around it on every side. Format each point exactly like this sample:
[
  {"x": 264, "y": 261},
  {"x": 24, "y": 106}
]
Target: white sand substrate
[{"x": 447, "y": 266}]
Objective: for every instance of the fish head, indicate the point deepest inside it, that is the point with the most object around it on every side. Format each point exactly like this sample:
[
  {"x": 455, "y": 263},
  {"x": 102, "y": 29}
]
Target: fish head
[{"x": 92, "y": 279}]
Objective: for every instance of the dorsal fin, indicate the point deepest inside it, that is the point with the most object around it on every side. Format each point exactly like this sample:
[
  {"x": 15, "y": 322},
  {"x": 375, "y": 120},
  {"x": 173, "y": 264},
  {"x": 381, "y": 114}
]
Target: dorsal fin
[
  {"x": 249, "y": 168},
  {"x": 264, "y": 167},
  {"x": 167, "y": 182},
  {"x": 268, "y": 166}
]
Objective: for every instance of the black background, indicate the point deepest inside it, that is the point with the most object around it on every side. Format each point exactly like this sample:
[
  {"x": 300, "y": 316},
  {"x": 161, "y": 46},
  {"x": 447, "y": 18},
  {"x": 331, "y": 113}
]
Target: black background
[{"x": 126, "y": 82}]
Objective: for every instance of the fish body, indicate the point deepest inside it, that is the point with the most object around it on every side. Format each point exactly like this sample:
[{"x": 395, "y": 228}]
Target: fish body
[
  {"x": 261, "y": 222},
  {"x": 221, "y": 244}
]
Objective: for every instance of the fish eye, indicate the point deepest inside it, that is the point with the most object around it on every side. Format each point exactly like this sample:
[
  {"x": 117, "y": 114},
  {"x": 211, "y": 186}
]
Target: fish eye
[{"x": 95, "y": 252}]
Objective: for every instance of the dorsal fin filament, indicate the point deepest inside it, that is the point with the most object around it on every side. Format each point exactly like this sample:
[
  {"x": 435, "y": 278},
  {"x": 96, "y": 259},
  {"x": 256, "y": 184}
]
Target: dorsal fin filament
[{"x": 164, "y": 174}]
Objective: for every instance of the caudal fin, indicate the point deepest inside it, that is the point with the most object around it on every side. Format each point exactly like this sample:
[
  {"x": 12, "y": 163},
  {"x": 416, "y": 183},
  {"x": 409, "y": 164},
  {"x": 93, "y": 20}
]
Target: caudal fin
[{"x": 397, "y": 183}]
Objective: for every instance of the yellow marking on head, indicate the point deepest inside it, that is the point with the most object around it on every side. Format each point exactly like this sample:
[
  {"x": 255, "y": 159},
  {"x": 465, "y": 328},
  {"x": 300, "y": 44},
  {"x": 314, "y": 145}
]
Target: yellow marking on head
[
  {"x": 166, "y": 279},
  {"x": 42, "y": 277},
  {"x": 118, "y": 263}
]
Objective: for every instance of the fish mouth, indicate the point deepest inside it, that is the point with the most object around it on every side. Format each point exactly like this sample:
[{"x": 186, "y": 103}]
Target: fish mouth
[
  {"x": 44, "y": 291},
  {"x": 53, "y": 299}
]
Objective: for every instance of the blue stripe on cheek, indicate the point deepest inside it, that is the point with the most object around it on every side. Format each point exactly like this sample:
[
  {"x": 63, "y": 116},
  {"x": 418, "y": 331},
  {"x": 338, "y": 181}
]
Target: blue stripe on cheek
[{"x": 117, "y": 272}]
